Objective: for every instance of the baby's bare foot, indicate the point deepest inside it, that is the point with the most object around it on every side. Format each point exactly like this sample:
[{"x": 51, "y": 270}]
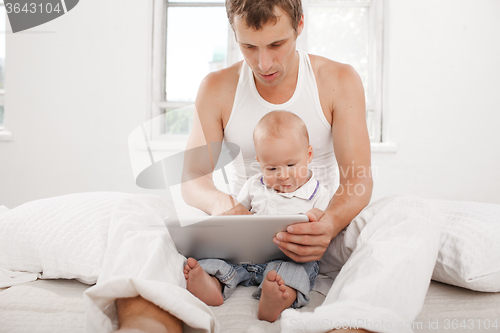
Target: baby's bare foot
[
  {"x": 207, "y": 288},
  {"x": 275, "y": 298}
]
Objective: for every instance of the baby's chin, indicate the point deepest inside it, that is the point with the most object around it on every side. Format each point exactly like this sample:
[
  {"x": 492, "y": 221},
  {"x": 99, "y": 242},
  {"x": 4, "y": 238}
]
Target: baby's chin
[{"x": 285, "y": 189}]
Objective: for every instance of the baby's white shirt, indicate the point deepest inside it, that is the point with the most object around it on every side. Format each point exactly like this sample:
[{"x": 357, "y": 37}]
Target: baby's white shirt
[{"x": 262, "y": 200}]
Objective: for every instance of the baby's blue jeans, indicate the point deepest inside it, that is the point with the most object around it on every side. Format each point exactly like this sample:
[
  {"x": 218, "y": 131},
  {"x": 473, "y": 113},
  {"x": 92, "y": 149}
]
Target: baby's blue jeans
[{"x": 299, "y": 276}]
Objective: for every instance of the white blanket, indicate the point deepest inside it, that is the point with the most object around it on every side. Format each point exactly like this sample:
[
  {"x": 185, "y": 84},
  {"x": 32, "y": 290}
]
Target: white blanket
[{"x": 142, "y": 260}]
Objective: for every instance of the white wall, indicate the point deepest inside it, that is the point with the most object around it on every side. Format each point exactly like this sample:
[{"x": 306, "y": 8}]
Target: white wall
[
  {"x": 74, "y": 95},
  {"x": 442, "y": 82},
  {"x": 75, "y": 88}
]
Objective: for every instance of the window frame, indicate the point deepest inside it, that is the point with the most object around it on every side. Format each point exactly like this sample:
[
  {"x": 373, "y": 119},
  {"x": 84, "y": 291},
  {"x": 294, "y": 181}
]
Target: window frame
[{"x": 374, "y": 85}]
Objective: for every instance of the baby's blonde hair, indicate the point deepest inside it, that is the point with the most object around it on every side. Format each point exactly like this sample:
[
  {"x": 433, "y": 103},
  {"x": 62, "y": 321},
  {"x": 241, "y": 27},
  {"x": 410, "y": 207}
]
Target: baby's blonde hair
[{"x": 280, "y": 124}]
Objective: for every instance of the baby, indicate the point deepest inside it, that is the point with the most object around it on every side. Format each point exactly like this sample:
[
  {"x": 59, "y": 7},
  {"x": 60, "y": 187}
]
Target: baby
[{"x": 285, "y": 186}]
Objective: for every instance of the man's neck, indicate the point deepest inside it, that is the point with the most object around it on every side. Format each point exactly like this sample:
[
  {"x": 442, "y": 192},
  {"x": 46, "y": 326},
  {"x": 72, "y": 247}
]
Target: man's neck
[{"x": 283, "y": 91}]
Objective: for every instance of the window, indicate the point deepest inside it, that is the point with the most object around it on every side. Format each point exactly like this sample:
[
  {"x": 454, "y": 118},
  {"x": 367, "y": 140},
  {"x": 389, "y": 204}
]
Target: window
[
  {"x": 184, "y": 53},
  {"x": 2, "y": 62},
  {"x": 353, "y": 29}
]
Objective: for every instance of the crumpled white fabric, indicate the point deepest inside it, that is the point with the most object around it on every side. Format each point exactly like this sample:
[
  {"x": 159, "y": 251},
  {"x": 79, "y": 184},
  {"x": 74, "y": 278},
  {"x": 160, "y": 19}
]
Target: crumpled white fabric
[
  {"x": 141, "y": 259},
  {"x": 10, "y": 278},
  {"x": 3, "y": 209},
  {"x": 386, "y": 257}
]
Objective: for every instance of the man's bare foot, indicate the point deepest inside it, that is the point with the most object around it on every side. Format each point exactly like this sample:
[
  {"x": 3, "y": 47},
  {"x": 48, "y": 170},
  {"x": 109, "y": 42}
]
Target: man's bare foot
[
  {"x": 137, "y": 314},
  {"x": 275, "y": 298},
  {"x": 207, "y": 288}
]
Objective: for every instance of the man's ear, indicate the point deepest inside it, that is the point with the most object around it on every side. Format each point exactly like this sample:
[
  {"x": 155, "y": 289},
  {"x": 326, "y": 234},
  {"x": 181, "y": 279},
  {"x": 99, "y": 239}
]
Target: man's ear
[
  {"x": 300, "y": 27},
  {"x": 310, "y": 154}
]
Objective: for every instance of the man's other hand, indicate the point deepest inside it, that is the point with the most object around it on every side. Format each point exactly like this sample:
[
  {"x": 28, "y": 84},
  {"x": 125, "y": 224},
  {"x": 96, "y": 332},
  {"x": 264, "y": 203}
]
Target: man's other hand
[{"x": 303, "y": 242}]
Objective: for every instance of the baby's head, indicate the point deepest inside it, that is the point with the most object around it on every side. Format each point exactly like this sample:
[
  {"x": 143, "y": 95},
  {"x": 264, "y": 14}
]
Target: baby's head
[{"x": 283, "y": 151}]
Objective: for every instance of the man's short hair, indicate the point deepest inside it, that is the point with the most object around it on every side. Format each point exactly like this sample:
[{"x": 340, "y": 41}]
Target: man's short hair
[{"x": 256, "y": 13}]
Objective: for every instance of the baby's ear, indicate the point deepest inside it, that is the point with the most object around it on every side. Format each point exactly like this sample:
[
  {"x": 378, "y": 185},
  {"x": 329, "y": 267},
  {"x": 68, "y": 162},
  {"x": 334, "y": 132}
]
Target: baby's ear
[
  {"x": 257, "y": 158},
  {"x": 310, "y": 154}
]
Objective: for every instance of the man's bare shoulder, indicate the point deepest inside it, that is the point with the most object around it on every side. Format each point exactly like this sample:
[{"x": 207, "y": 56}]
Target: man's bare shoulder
[
  {"x": 331, "y": 72},
  {"x": 338, "y": 84},
  {"x": 221, "y": 82},
  {"x": 216, "y": 94}
]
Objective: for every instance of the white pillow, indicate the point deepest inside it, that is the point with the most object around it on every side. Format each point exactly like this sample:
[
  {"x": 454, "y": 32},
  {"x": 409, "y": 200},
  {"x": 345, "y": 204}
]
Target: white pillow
[
  {"x": 469, "y": 255},
  {"x": 61, "y": 237}
]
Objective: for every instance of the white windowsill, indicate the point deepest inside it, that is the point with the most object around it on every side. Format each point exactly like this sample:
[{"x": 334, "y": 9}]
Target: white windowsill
[
  {"x": 384, "y": 147},
  {"x": 5, "y": 135},
  {"x": 175, "y": 146}
]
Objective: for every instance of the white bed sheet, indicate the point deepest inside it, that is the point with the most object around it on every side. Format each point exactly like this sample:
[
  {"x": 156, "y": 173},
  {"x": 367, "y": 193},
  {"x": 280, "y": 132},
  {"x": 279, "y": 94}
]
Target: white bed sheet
[
  {"x": 449, "y": 306},
  {"x": 44, "y": 306},
  {"x": 57, "y": 306}
]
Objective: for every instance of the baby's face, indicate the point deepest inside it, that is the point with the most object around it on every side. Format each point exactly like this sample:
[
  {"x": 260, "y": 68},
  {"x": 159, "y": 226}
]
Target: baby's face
[{"x": 284, "y": 162}]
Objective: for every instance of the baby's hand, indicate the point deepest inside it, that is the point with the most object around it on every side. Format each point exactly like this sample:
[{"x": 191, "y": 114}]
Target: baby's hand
[{"x": 239, "y": 209}]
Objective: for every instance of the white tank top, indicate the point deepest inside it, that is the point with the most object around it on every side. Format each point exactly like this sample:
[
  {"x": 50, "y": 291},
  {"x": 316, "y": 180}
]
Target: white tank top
[{"x": 249, "y": 107}]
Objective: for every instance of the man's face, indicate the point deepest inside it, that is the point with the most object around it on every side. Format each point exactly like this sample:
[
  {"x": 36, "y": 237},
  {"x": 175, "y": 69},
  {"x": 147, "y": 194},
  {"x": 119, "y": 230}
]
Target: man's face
[
  {"x": 270, "y": 51},
  {"x": 284, "y": 162}
]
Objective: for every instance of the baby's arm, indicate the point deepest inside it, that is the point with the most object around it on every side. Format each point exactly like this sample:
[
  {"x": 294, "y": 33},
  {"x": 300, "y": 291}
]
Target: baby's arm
[{"x": 244, "y": 196}]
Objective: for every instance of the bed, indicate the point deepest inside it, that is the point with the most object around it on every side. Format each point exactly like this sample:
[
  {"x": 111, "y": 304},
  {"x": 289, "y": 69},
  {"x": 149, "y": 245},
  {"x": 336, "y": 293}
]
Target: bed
[
  {"x": 55, "y": 306},
  {"x": 45, "y": 238}
]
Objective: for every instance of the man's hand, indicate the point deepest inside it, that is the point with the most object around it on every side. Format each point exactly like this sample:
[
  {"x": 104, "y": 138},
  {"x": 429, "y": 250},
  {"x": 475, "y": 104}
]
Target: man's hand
[
  {"x": 303, "y": 242},
  {"x": 239, "y": 209}
]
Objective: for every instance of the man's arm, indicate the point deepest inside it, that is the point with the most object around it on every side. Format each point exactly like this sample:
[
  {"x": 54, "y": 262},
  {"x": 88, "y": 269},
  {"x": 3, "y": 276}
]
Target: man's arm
[
  {"x": 308, "y": 241},
  {"x": 352, "y": 150},
  {"x": 212, "y": 108}
]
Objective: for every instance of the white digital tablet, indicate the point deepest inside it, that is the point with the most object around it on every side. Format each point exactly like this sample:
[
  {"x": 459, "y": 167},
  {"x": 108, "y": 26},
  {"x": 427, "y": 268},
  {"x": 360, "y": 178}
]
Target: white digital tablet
[{"x": 234, "y": 238}]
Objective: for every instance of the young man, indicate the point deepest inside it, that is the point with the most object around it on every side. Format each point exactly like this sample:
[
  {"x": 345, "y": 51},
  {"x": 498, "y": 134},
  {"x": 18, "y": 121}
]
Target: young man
[{"x": 329, "y": 97}]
